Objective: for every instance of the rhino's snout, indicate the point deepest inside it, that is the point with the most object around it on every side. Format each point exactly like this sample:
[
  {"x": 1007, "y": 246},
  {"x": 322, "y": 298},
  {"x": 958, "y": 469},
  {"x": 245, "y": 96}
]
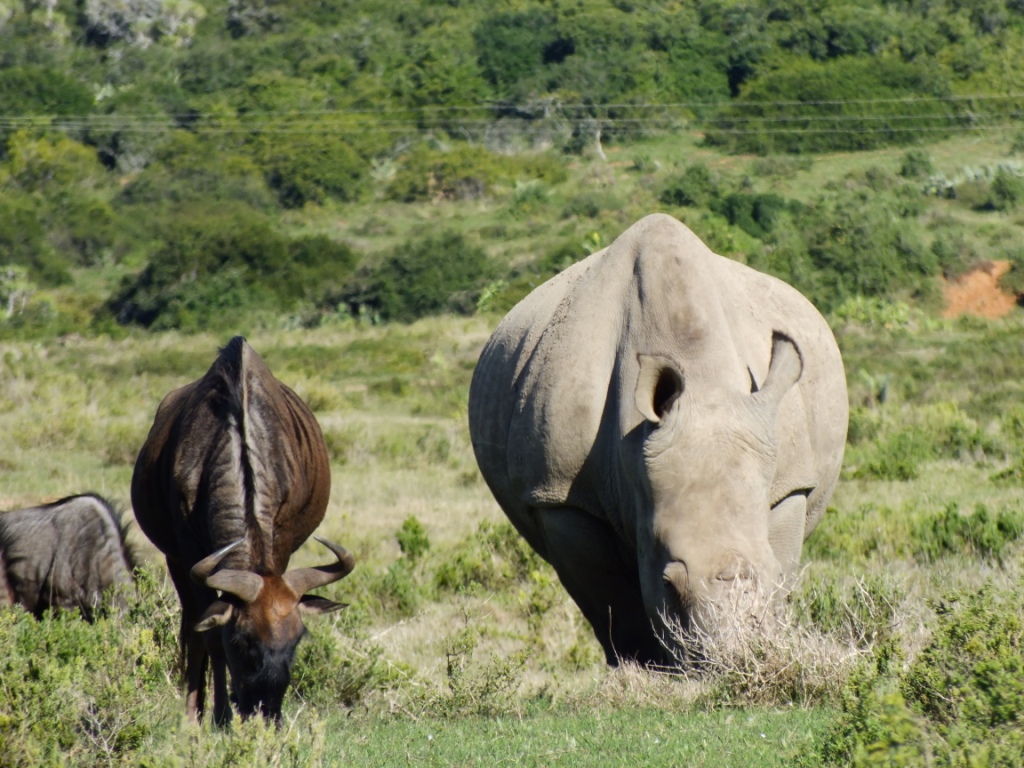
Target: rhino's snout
[{"x": 737, "y": 591}]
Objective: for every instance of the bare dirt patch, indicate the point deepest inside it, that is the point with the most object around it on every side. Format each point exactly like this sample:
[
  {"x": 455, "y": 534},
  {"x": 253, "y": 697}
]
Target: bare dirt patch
[{"x": 977, "y": 292}]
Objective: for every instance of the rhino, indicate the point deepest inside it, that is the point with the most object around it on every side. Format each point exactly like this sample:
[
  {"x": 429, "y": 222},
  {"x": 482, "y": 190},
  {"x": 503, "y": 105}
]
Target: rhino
[
  {"x": 65, "y": 554},
  {"x": 665, "y": 427}
]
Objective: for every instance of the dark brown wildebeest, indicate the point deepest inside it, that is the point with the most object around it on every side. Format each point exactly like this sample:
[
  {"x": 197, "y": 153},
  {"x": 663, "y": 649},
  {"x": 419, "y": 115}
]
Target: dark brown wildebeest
[
  {"x": 63, "y": 555},
  {"x": 235, "y": 473}
]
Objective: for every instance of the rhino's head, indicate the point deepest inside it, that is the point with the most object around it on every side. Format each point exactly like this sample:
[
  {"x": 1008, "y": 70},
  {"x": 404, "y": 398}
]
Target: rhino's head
[{"x": 718, "y": 537}]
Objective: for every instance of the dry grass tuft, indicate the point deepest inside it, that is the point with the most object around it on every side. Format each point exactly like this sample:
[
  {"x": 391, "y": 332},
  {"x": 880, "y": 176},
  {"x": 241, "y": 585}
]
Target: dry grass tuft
[{"x": 761, "y": 658}]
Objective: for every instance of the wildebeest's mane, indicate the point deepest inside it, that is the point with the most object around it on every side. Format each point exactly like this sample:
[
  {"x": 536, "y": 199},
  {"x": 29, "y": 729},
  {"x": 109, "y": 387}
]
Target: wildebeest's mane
[{"x": 227, "y": 376}]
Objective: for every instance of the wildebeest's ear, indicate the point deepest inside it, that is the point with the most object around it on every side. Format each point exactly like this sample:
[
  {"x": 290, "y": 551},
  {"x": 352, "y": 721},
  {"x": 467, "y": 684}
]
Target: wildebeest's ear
[
  {"x": 217, "y": 615},
  {"x": 311, "y": 605},
  {"x": 658, "y": 386}
]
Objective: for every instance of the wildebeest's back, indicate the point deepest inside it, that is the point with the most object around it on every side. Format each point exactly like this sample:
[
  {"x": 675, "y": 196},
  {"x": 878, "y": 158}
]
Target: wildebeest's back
[
  {"x": 236, "y": 454},
  {"x": 64, "y": 554}
]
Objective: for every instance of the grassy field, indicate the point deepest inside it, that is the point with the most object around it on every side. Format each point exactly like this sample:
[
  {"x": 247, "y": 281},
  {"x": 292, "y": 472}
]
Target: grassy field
[{"x": 459, "y": 647}]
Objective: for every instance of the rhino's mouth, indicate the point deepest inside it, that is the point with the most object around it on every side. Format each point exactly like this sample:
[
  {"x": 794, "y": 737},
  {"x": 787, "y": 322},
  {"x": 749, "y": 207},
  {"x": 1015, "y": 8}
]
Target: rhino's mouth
[{"x": 697, "y": 615}]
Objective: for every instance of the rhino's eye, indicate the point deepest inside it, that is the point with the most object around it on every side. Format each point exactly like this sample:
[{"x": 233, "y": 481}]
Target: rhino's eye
[{"x": 803, "y": 493}]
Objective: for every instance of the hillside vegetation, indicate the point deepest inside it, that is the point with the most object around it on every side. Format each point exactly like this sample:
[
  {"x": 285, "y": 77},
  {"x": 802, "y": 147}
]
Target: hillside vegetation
[
  {"x": 363, "y": 189},
  {"x": 183, "y": 165}
]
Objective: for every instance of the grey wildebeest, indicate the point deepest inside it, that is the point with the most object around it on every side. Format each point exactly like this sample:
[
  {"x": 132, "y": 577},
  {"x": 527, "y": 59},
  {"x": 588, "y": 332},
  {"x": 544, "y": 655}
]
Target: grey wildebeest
[
  {"x": 65, "y": 554},
  {"x": 665, "y": 427},
  {"x": 231, "y": 480}
]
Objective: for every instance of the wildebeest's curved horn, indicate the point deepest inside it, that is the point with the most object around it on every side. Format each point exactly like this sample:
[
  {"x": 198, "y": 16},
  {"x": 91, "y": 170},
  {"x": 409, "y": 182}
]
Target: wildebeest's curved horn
[
  {"x": 242, "y": 584},
  {"x": 304, "y": 579}
]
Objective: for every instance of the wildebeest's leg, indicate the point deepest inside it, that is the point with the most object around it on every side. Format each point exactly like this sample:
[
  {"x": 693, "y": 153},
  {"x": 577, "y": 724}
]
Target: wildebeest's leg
[
  {"x": 221, "y": 703},
  {"x": 193, "y": 644},
  {"x": 590, "y": 563}
]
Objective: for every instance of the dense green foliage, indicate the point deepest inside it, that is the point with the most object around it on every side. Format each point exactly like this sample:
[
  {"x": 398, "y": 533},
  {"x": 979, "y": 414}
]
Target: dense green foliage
[
  {"x": 120, "y": 118},
  {"x": 960, "y": 702}
]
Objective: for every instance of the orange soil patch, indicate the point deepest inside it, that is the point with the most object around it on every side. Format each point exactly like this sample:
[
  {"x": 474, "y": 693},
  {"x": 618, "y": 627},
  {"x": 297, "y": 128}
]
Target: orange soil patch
[{"x": 977, "y": 292}]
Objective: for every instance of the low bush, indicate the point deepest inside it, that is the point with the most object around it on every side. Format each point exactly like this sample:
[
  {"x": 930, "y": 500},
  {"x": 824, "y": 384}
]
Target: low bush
[
  {"x": 102, "y": 689},
  {"x": 981, "y": 534},
  {"x": 466, "y": 172},
  {"x": 412, "y": 539},
  {"x": 475, "y": 687},
  {"x": 861, "y": 612},
  {"x": 216, "y": 263},
  {"x": 422, "y": 278},
  {"x": 755, "y": 214},
  {"x": 897, "y": 457},
  {"x": 490, "y": 558},
  {"x": 838, "y": 104},
  {"x": 694, "y": 187},
  {"x": 959, "y": 702},
  {"x": 916, "y": 164}
]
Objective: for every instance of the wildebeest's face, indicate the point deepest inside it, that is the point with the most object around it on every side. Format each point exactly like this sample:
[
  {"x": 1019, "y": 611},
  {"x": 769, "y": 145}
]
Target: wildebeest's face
[
  {"x": 260, "y": 621},
  {"x": 259, "y": 640}
]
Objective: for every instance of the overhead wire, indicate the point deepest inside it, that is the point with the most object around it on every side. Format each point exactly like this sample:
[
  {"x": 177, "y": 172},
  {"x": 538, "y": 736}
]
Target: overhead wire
[{"x": 428, "y": 118}]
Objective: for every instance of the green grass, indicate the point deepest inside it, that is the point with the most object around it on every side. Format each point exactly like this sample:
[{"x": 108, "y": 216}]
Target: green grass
[{"x": 556, "y": 737}]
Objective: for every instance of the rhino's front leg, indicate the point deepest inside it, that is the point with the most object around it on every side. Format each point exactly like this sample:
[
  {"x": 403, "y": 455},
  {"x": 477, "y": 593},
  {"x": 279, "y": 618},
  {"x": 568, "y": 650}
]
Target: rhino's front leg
[{"x": 593, "y": 568}]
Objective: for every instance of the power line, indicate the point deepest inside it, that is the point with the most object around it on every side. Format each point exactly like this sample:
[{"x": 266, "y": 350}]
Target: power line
[{"x": 520, "y": 109}]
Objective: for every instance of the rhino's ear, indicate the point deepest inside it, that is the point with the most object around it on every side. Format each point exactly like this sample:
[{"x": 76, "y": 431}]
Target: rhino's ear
[
  {"x": 658, "y": 386},
  {"x": 784, "y": 370}
]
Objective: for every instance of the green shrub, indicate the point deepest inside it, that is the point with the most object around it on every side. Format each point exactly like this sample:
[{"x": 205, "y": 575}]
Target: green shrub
[
  {"x": 864, "y": 612},
  {"x": 916, "y": 163},
  {"x": 475, "y": 687},
  {"x": 955, "y": 254},
  {"x": 754, "y": 214},
  {"x": 217, "y": 262},
  {"x": 40, "y": 90},
  {"x": 960, "y": 701},
  {"x": 423, "y": 278},
  {"x": 898, "y": 457},
  {"x": 512, "y": 46},
  {"x": 193, "y": 165},
  {"x": 490, "y": 558},
  {"x": 694, "y": 187},
  {"x": 981, "y": 535},
  {"x": 412, "y": 539},
  {"x": 23, "y": 240},
  {"x": 52, "y": 164},
  {"x": 1007, "y": 191},
  {"x": 840, "y": 104},
  {"x": 303, "y": 171},
  {"x": 876, "y": 312},
  {"x": 529, "y": 197},
  {"x": 974, "y": 193},
  {"x": 852, "y": 243},
  {"x": 466, "y": 172},
  {"x": 89, "y": 689}
]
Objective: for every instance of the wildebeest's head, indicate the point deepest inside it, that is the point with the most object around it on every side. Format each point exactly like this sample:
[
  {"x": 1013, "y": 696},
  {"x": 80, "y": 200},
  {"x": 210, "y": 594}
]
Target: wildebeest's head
[
  {"x": 260, "y": 618},
  {"x": 722, "y": 529}
]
